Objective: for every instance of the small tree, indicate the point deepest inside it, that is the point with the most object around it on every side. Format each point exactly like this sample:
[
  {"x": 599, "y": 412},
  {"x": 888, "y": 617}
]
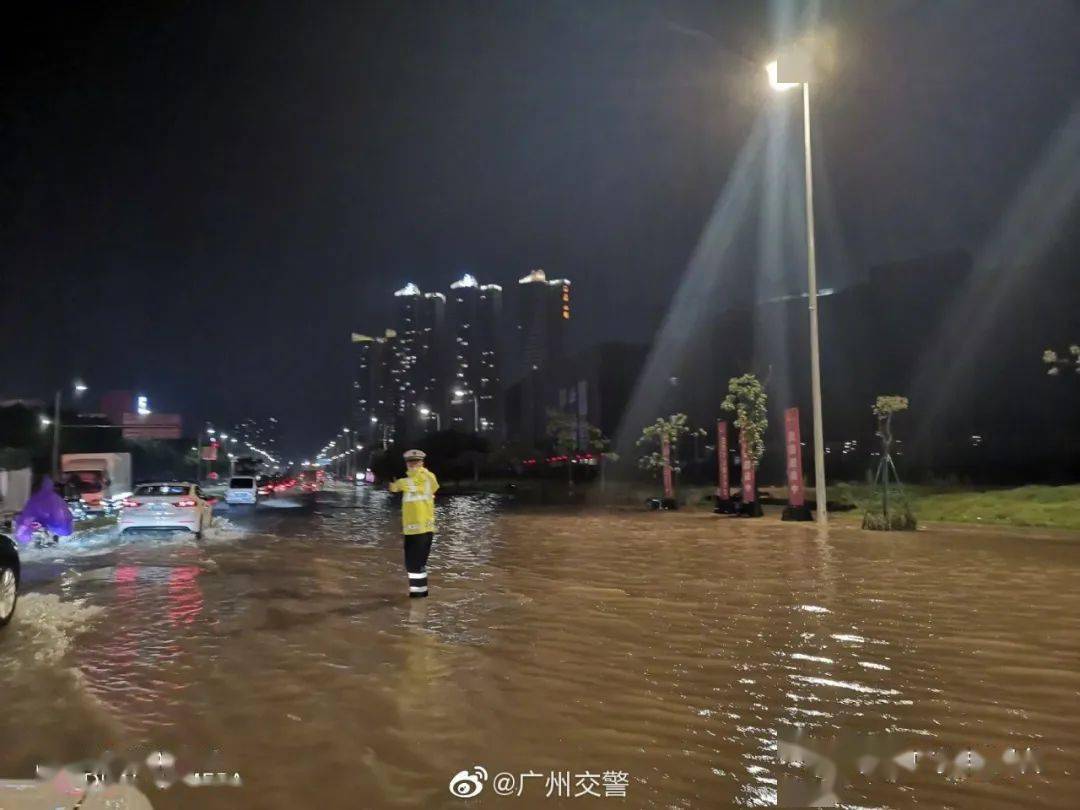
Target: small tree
[
  {"x": 654, "y": 436},
  {"x": 567, "y": 431},
  {"x": 1050, "y": 357},
  {"x": 748, "y": 401},
  {"x": 885, "y": 408}
]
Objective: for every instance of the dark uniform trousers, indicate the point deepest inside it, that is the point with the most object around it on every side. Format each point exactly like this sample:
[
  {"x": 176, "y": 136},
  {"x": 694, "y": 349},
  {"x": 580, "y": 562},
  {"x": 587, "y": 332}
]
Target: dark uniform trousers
[{"x": 417, "y": 549}]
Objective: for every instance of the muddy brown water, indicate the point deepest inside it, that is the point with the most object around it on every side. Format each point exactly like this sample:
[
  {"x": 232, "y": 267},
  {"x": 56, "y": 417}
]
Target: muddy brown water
[{"x": 674, "y": 649}]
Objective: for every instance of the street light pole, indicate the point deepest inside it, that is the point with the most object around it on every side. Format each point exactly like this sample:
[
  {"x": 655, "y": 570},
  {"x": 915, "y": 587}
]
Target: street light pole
[
  {"x": 476, "y": 430},
  {"x": 460, "y": 394},
  {"x": 79, "y": 387},
  {"x": 56, "y": 438},
  {"x": 802, "y": 67},
  {"x": 427, "y": 413},
  {"x": 815, "y": 356}
]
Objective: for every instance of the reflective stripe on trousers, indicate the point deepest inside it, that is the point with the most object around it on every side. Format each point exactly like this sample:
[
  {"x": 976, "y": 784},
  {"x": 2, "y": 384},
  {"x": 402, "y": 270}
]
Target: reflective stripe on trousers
[{"x": 417, "y": 549}]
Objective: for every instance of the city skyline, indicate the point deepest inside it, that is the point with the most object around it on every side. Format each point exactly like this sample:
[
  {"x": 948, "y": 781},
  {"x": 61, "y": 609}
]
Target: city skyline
[{"x": 443, "y": 350}]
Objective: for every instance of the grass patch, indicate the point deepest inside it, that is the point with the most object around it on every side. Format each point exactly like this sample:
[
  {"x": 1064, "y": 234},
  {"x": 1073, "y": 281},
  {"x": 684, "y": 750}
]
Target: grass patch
[{"x": 1033, "y": 505}]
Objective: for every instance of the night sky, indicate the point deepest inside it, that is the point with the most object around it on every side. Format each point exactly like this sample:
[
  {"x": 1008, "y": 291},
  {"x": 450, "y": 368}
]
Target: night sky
[{"x": 202, "y": 201}]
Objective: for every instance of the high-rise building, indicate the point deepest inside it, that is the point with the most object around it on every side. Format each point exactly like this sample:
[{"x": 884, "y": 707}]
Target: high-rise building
[
  {"x": 421, "y": 378},
  {"x": 375, "y": 387},
  {"x": 475, "y": 318},
  {"x": 543, "y": 319}
]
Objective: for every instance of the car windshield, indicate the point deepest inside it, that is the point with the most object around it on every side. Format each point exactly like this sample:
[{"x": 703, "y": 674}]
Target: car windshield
[
  {"x": 241, "y": 483},
  {"x": 85, "y": 481},
  {"x": 162, "y": 489}
]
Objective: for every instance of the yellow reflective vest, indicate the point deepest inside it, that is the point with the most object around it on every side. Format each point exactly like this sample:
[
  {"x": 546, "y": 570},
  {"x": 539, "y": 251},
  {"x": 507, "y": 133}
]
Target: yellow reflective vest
[{"x": 418, "y": 489}]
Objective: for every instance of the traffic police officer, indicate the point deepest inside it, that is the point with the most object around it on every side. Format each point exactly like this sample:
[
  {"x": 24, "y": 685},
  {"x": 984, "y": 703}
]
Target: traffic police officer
[{"x": 417, "y": 489}]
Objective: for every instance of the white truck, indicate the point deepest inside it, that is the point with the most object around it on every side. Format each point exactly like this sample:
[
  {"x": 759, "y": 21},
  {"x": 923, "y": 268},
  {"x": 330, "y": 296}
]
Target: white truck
[
  {"x": 100, "y": 480},
  {"x": 14, "y": 490}
]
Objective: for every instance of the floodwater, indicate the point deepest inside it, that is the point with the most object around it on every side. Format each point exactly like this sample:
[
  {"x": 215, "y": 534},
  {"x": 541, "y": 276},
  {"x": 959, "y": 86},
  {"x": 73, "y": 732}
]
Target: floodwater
[{"x": 665, "y": 655}]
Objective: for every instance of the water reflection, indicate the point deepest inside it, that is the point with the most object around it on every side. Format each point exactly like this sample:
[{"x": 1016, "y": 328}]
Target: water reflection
[{"x": 185, "y": 595}]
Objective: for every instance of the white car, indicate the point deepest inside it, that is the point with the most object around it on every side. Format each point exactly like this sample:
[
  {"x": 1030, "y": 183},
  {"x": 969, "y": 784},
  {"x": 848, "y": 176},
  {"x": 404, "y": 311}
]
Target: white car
[
  {"x": 167, "y": 505},
  {"x": 242, "y": 489}
]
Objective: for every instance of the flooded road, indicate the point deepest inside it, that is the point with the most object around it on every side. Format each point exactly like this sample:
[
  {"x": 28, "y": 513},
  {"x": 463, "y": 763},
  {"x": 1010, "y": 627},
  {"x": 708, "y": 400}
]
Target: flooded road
[{"x": 662, "y": 654}]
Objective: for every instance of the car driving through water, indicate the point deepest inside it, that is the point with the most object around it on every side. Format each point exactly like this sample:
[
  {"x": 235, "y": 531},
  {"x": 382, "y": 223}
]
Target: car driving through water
[
  {"x": 242, "y": 490},
  {"x": 167, "y": 505}
]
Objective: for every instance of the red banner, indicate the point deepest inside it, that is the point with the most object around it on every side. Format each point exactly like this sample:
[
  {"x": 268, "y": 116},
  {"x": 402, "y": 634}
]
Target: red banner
[
  {"x": 749, "y": 480},
  {"x": 796, "y": 492},
  {"x": 723, "y": 481},
  {"x": 665, "y": 449}
]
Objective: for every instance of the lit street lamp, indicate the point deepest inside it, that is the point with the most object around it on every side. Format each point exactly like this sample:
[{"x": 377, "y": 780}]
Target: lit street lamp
[
  {"x": 773, "y": 70},
  {"x": 427, "y": 412}
]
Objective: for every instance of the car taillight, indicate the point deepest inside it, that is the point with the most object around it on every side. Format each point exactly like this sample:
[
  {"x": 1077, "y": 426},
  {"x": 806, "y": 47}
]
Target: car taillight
[
  {"x": 127, "y": 502},
  {"x": 185, "y": 502}
]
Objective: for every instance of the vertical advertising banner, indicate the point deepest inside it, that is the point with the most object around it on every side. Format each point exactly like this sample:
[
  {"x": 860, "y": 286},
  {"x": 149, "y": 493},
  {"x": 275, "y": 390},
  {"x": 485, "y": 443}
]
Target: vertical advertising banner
[
  {"x": 796, "y": 493},
  {"x": 723, "y": 481},
  {"x": 665, "y": 449},
  {"x": 749, "y": 482}
]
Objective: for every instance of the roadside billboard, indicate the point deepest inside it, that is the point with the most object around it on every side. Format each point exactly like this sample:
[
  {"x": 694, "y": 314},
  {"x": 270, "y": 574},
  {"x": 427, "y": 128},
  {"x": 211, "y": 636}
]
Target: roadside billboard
[{"x": 152, "y": 426}]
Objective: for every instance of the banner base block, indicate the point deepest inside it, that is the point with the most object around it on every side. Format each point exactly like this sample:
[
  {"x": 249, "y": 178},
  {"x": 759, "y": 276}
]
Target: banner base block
[
  {"x": 725, "y": 506},
  {"x": 751, "y": 510},
  {"x": 802, "y": 513}
]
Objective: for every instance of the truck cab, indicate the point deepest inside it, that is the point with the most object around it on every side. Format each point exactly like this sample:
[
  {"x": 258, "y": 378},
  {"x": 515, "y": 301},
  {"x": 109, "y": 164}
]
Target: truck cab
[{"x": 100, "y": 481}]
